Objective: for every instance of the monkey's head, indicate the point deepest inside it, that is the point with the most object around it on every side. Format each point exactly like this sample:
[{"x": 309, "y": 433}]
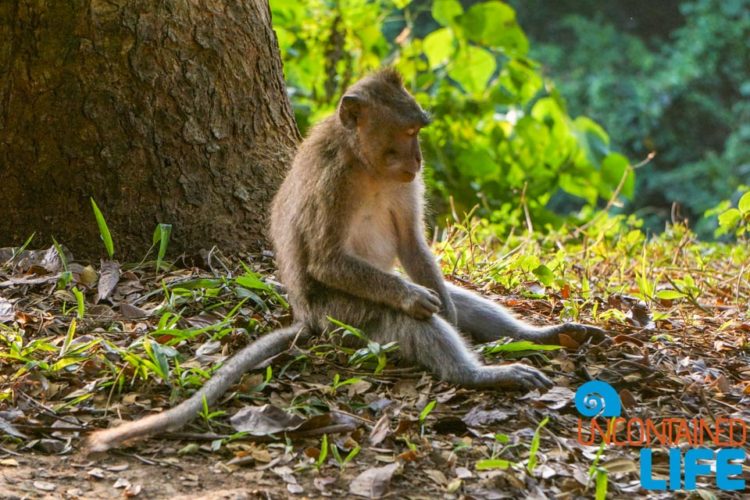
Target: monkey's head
[{"x": 384, "y": 120}]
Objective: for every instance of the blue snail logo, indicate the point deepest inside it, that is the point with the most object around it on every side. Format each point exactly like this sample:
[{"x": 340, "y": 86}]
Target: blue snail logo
[{"x": 598, "y": 399}]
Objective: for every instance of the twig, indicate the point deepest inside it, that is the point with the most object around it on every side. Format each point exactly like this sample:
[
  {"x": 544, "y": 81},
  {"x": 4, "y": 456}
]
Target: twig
[{"x": 615, "y": 194}]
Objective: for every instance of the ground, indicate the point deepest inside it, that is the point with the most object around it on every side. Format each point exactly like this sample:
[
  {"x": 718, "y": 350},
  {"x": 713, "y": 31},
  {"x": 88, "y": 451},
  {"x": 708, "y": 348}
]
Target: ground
[{"x": 85, "y": 346}]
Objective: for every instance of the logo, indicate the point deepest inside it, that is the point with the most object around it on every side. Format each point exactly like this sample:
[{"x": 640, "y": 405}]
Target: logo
[{"x": 714, "y": 448}]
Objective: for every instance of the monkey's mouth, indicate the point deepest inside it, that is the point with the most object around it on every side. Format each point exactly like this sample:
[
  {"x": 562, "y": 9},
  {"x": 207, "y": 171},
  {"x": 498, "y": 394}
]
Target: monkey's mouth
[{"x": 407, "y": 175}]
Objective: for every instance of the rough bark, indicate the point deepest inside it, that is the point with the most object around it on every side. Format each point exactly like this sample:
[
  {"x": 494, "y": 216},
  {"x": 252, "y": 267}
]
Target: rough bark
[{"x": 170, "y": 111}]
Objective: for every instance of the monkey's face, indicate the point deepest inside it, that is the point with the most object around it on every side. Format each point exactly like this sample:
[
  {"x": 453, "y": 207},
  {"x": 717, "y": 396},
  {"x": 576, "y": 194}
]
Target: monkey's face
[
  {"x": 399, "y": 156},
  {"x": 389, "y": 144},
  {"x": 386, "y": 120}
]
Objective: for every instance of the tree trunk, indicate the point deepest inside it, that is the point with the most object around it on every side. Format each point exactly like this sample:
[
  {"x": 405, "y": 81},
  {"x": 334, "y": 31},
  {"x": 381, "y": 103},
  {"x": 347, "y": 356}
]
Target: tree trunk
[{"x": 172, "y": 111}]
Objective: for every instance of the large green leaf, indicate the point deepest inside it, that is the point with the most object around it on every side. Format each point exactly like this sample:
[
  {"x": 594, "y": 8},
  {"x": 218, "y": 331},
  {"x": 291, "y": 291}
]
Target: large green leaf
[
  {"x": 477, "y": 163},
  {"x": 494, "y": 24},
  {"x": 744, "y": 204},
  {"x": 439, "y": 46},
  {"x": 445, "y": 11},
  {"x": 472, "y": 68},
  {"x": 593, "y": 138}
]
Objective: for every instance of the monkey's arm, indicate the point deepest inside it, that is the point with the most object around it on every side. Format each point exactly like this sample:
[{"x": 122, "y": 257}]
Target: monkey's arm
[
  {"x": 266, "y": 347},
  {"x": 357, "y": 277},
  {"x": 417, "y": 259},
  {"x": 419, "y": 263}
]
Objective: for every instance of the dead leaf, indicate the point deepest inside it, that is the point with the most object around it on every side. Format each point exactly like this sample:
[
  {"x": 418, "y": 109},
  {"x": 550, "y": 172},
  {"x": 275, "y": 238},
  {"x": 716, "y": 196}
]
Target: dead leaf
[
  {"x": 45, "y": 486},
  {"x": 477, "y": 417},
  {"x": 11, "y": 430},
  {"x": 620, "y": 465},
  {"x": 121, "y": 483},
  {"x": 437, "y": 476},
  {"x": 409, "y": 456},
  {"x": 723, "y": 384},
  {"x": 108, "y": 279},
  {"x": 133, "y": 491},
  {"x": 374, "y": 482},
  {"x": 463, "y": 473},
  {"x": 88, "y": 276},
  {"x": 557, "y": 397},
  {"x": 568, "y": 342},
  {"x": 130, "y": 311},
  {"x": 322, "y": 483},
  {"x": 380, "y": 430},
  {"x": 6, "y": 311},
  {"x": 97, "y": 473},
  {"x": 627, "y": 399},
  {"x": 265, "y": 420}
]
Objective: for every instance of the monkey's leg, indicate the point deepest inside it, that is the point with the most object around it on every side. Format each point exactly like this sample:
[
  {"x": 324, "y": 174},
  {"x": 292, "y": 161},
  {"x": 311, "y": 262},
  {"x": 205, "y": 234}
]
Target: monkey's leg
[
  {"x": 230, "y": 372},
  {"x": 437, "y": 346},
  {"x": 486, "y": 321}
]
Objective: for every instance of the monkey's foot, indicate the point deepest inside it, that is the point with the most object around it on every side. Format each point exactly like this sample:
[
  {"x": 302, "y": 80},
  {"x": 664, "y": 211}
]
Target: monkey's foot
[
  {"x": 515, "y": 376},
  {"x": 576, "y": 331}
]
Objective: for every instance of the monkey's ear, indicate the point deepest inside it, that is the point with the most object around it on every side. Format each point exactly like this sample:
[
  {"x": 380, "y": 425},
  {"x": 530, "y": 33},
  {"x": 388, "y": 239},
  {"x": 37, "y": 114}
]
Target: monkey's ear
[{"x": 350, "y": 110}]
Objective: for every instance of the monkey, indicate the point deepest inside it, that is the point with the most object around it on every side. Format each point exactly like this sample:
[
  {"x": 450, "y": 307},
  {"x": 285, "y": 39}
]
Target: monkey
[{"x": 350, "y": 208}]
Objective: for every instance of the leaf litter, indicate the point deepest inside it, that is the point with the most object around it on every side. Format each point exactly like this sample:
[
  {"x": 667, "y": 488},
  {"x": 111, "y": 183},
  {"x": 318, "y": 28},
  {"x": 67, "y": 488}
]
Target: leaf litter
[{"x": 312, "y": 423}]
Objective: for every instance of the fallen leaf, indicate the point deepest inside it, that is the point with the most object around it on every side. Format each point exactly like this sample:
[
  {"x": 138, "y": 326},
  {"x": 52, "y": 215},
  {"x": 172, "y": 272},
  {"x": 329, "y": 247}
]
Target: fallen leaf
[
  {"x": 265, "y": 420},
  {"x": 97, "y": 473},
  {"x": 568, "y": 342},
  {"x": 10, "y": 429},
  {"x": 380, "y": 430},
  {"x": 557, "y": 397},
  {"x": 44, "y": 486},
  {"x": 322, "y": 483},
  {"x": 620, "y": 465},
  {"x": 88, "y": 276},
  {"x": 133, "y": 491},
  {"x": 121, "y": 483},
  {"x": 108, "y": 279},
  {"x": 6, "y": 311},
  {"x": 478, "y": 416},
  {"x": 374, "y": 482},
  {"x": 628, "y": 399},
  {"x": 437, "y": 476}
]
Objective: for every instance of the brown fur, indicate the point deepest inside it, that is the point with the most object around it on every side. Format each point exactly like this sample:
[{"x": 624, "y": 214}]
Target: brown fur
[{"x": 350, "y": 208}]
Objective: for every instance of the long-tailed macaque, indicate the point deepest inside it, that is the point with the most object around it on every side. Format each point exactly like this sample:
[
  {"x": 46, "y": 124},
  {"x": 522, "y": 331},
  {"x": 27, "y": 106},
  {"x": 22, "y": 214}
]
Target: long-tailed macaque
[{"x": 350, "y": 208}]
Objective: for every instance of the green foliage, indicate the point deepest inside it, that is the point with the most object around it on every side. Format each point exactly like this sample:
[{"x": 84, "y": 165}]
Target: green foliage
[
  {"x": 733, "y": 220},
  {"x": 373, "y": 354},
  {"x": 681, "y": 91},
  {"x": 501, "y": 135},
  {"x": 103, "y": 229},
  {"x": 534, "y": 448},
  {"x": 161, "y": 236}
]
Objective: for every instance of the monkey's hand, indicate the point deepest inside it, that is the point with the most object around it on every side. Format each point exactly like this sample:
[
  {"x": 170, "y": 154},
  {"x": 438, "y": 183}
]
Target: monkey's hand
[
  {"x": 579, "y": 333},
  {"x": 420, "y": 302}
]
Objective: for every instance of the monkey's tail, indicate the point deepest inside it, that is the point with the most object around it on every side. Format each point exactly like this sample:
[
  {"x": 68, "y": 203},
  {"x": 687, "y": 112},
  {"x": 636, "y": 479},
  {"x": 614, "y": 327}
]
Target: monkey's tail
[{"x": 230, "y": 372}]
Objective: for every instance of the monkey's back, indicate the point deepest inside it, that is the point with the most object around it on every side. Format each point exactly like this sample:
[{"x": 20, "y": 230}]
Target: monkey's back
[{"x": 300, "y": 208}]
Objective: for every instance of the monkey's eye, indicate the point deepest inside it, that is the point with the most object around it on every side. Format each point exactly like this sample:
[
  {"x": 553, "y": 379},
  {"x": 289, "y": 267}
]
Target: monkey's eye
[{"x": 411, "y": 132}]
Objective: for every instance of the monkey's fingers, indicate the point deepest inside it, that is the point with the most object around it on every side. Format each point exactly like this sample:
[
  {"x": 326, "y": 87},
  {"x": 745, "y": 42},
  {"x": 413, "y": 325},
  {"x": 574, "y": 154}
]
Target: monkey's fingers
[
  {"x": 426, "y": 308},
  {"x": 579, "y": 333},
  {"x": 531, "y": 378},
  {"x": 519, "y": 376}
]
